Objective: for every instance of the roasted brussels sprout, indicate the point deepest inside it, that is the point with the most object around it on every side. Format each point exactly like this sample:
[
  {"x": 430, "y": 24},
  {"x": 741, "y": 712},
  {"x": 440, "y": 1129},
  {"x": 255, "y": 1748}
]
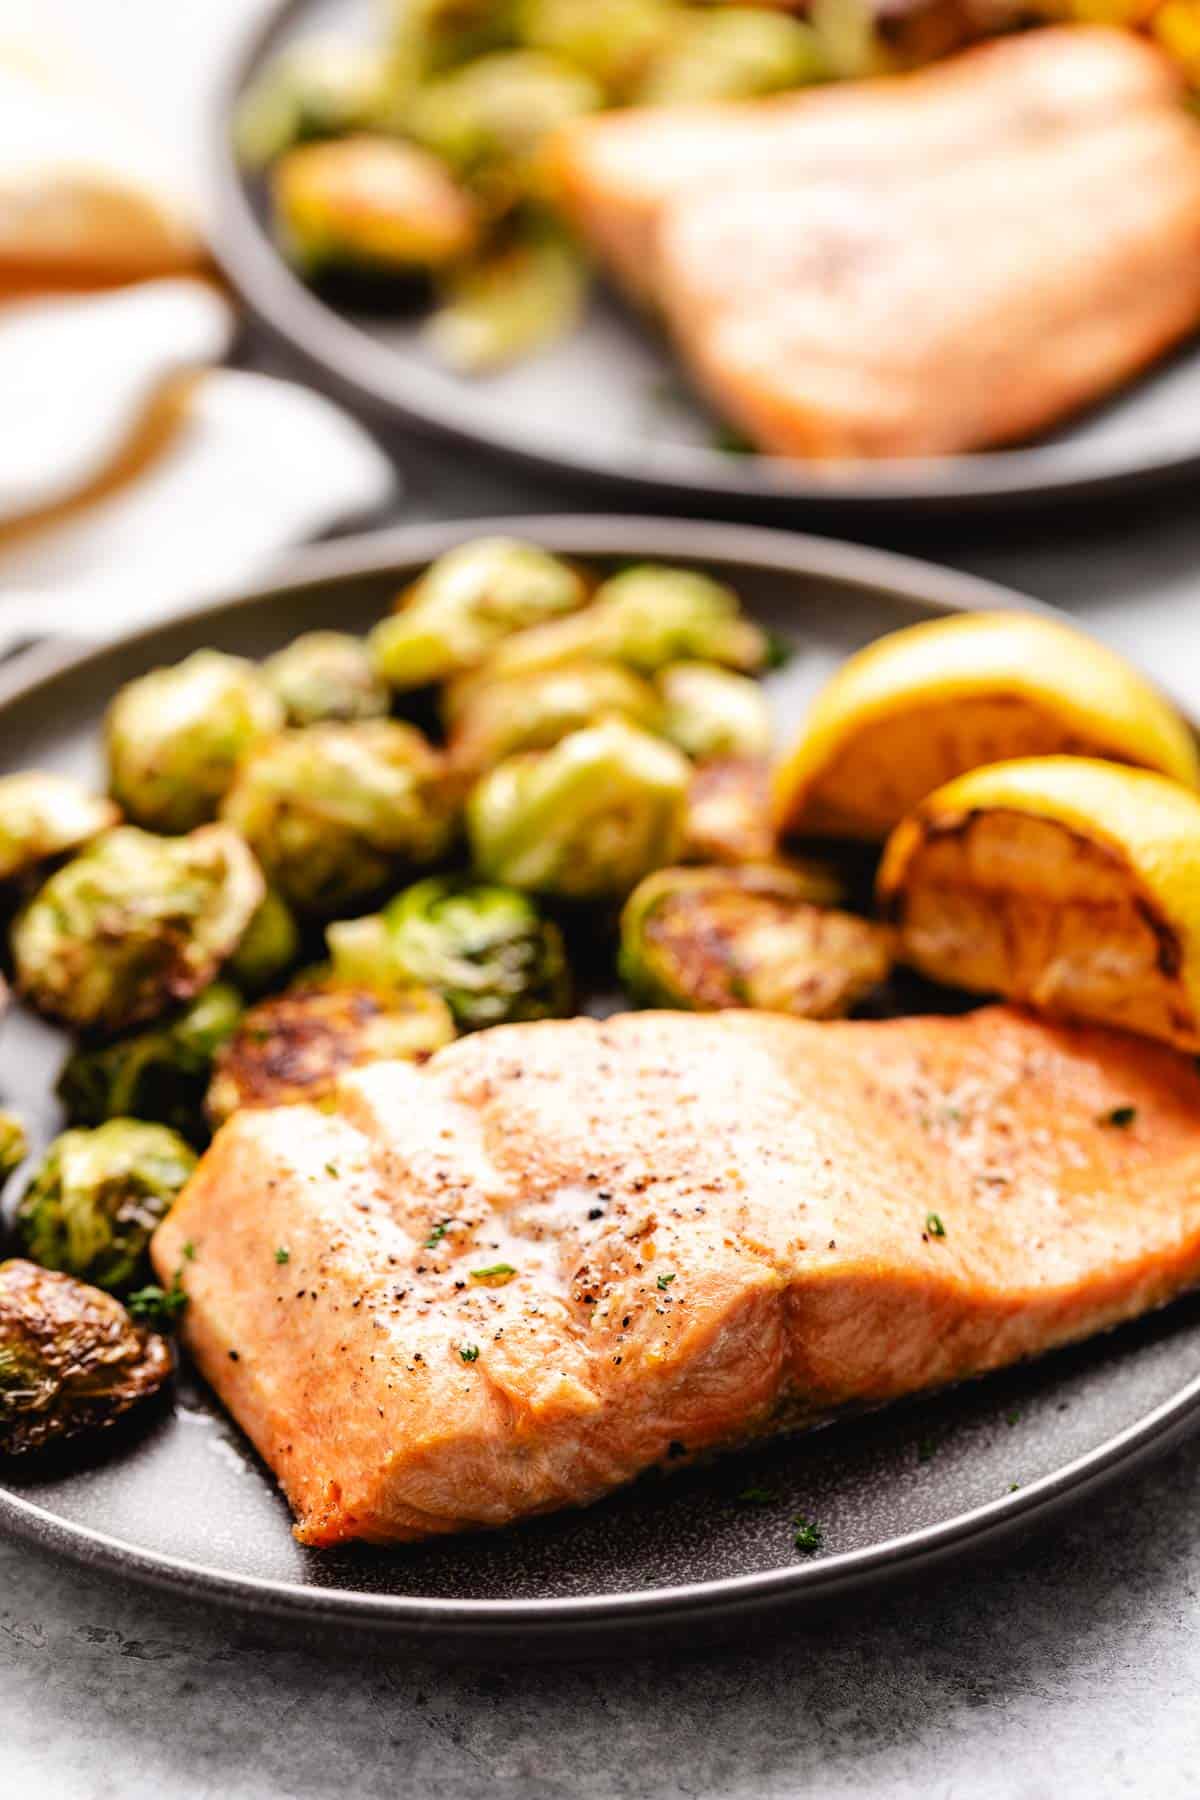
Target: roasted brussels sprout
[
  {"x": 370, "y": 204},
  {"x": 43, "y": 816},
  {"x": 326, "y": 675},
  {"x": 134, "y": 925},
  {"x": 615, "y": 43},
  {"x": 97, "y": 1197},
  {"x": 71, "y": 1359},
  {"x": 466, "y": 603},
  {"x": 729, "y": 812},
  {"x": 709, "y": 711},
  {"x": 270, "y": 946},
  {"x": 160, "y": 1074},
  {"x": 486, "y": 950},
  {"x": 441, "y": 33},
  {"x": 14, "y": 1143},
  {"x": 174, "y": 738},
  {"x": 319, "y": 89},
  {"x": 646, "y": 617},
  {"x": 488, "y": 118},
  {"x": 586, "y": 819},
  {"x": 734, "y": 53},
  {"x": 519, "y": 297},
  {"x": 295, "y": 1046},
  {"x": 494, "y": 719},
  {"x": 337, "y": 812},
  {"x": 704, "y": 939}
]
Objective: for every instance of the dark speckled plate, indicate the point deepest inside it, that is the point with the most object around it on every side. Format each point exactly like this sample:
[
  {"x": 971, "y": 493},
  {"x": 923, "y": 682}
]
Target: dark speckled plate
[{"x": 183, "y": 1501}]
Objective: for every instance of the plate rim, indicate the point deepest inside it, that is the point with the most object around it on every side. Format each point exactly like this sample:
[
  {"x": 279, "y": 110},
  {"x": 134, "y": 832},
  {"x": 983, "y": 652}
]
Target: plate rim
[
  {"x": 595, "y": 1617},
  {"x": 371, "y": 377}
]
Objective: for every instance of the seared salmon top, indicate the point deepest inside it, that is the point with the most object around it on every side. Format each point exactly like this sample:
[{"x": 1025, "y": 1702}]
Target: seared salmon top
[{"x": 562, "y": 1252}]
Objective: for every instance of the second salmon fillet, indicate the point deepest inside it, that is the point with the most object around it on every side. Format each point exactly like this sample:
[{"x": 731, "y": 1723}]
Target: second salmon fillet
[{"x": 562, "y": 1253}]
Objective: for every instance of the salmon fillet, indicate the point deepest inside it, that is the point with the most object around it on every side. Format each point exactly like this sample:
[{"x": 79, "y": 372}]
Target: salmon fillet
[
  {"x": 561, "y": 1253},
  {"x": 916, "y": 266}
]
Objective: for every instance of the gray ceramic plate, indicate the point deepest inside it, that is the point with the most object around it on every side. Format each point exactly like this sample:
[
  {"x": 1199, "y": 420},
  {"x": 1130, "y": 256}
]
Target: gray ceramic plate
[
  {"x": 185, "y": 1503},
  {"x": 608, "y": 405}
]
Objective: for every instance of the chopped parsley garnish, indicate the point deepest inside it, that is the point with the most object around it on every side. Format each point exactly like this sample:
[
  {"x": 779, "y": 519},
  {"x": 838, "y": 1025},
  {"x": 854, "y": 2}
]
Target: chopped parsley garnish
[
  {"x": 189, "y": 1251},
  {"x": 437, "y": 1234},
  {"x": 469, "y": 1352},
  {"x": 282, "y": 1255},
  {"x": 755, "y": 1496},
  {"x": 664, "y": 1282},
  {"x": 934, "y": 1226},
  {"x": 926, "y": 1450},
  {"x": 159, "y": 1307},
  {"x": 809, "y": 1536},
  {"x": 1013, "y": 1416},
  {"x": 331, "y": 1169},
  {"x": 496, "y": 1274},
  {"x": 1120, "y": 1116}
]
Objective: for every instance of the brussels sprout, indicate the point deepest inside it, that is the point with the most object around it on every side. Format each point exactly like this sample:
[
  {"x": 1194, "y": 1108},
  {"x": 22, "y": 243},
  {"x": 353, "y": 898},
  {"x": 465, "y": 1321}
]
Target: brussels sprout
[
  {"x": 326, "y": 675},
  {"x": 433, "y": 34},
  {"x": 614, "y": 43},
  {"x": 174, "y": 738},
  {"x": 485, "y": 949},
  {"x": 295, "y": 1046},
  {"x": 466, "y": 603},
  {"x": 488, "y": 118},
  {"x": 370, "y": 204},
  {"x": 43, "y": 816},
  {"x": 646, "y": 617},
  {"x": 270, "y": 946},
  {"x": 160, "y": 1074},
  {"x": 14, "y": 1144},
  {"x": 71, "y": 1359},
  {"x": 97, "y": 1197},
  {"x": 704, "y": 939},
  {"x": 729, "y": 812},
  {"x": 337, "y": 812},
  {"x": 495, "y": 719},
  {"x": 734, "y": 53},
  {"x": 319, "y": 89},
  {"x": 586, "y": 819},
  {"x": 520, "y": 297},
  {"x": 709, "y": 711},
  {"x": 134, "y": 925}
]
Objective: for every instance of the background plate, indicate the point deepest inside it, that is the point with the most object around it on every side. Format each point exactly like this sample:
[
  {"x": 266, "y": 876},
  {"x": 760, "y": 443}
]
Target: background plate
[
  {"x": 186, "y": 1503},
  {"x": 608, "y": 402}
]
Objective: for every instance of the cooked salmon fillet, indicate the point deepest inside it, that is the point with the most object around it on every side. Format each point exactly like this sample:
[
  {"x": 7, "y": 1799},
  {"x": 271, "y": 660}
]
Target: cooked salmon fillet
[
  {"x": 561, "y": 1253},
  {"x": 916, "y": 266}
]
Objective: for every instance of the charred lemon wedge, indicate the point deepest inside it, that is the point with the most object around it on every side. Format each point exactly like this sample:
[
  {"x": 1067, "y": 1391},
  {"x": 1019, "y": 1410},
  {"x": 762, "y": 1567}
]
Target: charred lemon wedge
[
  {"x": 920, "y": 706},
  {"x": 1069, "y": 884}
]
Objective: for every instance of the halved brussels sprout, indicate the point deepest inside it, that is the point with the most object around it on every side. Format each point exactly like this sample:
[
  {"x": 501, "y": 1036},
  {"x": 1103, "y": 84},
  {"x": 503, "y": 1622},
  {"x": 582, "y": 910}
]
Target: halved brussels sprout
[
  {"x": 294, "y": 1047},
  {"x": 337, "y": 812},
  {"x": 134, "y": 925},
  {"x": 709, "y": 711},
  {"x": 488, "y": 118},
  {"x": 434, "y": 34},
  {"x": 586, "y": 819},
  {"x": 270, "y": 946},
  {"x": 615, "y": 43},
  {"x": 14, "y": 1143},
  {"x": 729, "y": 812},
  {"x": 174, "y": 738},
  {"x": 520, "y": 296},
  {"x": 704, "y": 939},
  {"x": 371, "y": 204},
  {"x": 647, "y": 617},
  {"x": 494, "y": 719},
  {"x": 486, "y": 949},
  {"x": 319, "y": 89},
  {"x": 326, "y": 675},
  {"x": 467, "y": 602},
  {"x": 160, "y": 1074},
  {"x": 43, "y": 816},
  {"x": 734, "y": 53},
  {"x": 72, "y": 1361},
  {"x": 97, "y": 1197}
]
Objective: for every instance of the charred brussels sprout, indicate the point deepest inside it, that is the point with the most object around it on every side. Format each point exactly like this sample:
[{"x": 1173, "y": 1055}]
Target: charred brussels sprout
[
  {"x": 495, "y": 719},
  {"x": 14, "y": 1143},
  {"x": 93, "y": 1204},
  {"x": 326, "y": 676},
  {"x": 370, "y": 204},
  {"x": 71, "y": 1359},
  {"x": 486, "y": 950},
  {"x": 43, "y": 816},
  {"x": 319, "y": 89},
  {"x": 436, "y": 34},
  {"x": 703, "y": 939},
  {"x": 134, "y": 925},
  {"x": 734, "y": 53},
  {"x": 466, "y": 603},
  {"x": 270, "y": 946},
  {"x": 709, "y": 711},
  {"x": 174, "y": 738},
  {"x": 488, "y": 118},
  {"x": 615, "y": 43},
  {"x": 295, "y": 1046},
  {"x": 586, "y": 819},
  {"x": 337, "y": 812},
  {"x": 160, "y": 1074},
  {"x": 646, "y": 617}
]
